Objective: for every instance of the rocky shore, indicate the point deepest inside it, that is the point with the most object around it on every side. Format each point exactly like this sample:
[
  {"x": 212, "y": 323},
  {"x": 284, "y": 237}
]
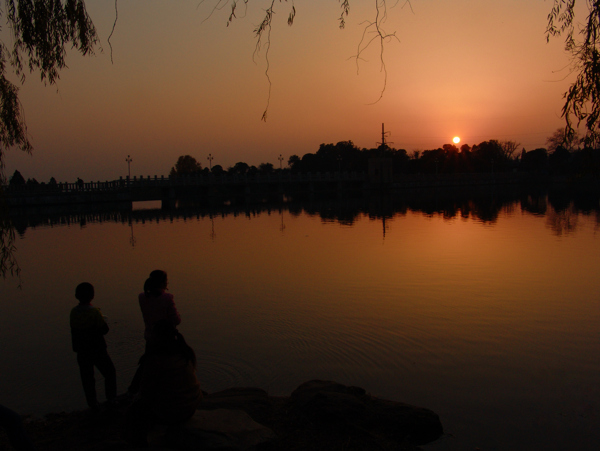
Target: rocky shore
[{"x": 318, "y": 415}]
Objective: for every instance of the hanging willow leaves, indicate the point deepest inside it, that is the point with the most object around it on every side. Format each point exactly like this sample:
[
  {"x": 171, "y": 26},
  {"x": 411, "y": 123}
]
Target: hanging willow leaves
[
  {"x": 582, "y": 40},
  {"x": 42, "y": 32}
]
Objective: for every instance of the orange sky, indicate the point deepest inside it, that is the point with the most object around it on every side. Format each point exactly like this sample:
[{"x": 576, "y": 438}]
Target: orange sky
[{"x": 180, "y": 84}]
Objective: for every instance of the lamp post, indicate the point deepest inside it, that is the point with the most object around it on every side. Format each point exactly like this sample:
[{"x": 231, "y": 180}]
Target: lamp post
[
  {"x": 210, "y": 159},
  {"x": 280, "y": 158},
  {"x": 128, "y": 160}
]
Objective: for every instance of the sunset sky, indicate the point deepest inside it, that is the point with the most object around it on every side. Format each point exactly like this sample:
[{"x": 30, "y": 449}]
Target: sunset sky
[{"x": 182, "y": 82}]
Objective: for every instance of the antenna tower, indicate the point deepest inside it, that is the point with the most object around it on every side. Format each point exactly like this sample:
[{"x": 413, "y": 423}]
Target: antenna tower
[{"x": 384, "y": 135}]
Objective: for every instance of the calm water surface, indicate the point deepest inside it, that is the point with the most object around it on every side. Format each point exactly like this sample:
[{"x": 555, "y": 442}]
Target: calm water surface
[{"x": 493, "y": 324}]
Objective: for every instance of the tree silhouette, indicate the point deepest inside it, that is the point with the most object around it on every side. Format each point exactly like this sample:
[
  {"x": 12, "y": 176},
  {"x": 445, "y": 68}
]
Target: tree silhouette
[
  {"x": 509, "y": 148},
  {"x": 294, "y": 162},
  {"x": 43, "y": 31},
  {"x": 186, "y": 164},
  {"x": 17, "y": 179},
  {"x": 560, "y": 137},
  {"x": 265, "y": 168},
  {"x": 535, "y": 161},
  {"x": 239, "y": 168},
  {"x": 217, "y": 169},
  {"x": 582, "y": 99}
]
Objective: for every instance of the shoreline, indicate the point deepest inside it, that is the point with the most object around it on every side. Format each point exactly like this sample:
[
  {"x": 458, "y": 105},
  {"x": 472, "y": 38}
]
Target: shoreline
[{"x": 318, "y": 415}]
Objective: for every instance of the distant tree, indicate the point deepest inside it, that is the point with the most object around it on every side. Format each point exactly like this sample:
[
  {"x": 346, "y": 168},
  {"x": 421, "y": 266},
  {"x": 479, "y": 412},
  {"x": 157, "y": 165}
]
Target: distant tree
[
  {"x": 186, "y": 164},
  {"x": 266, "y": 168},
  {"x": 561, "y": 138},
  {"x": 430, "y": 161},
  {"x": 509, "y": 148},
  {"x": 344, "y": 155},
  {"x": 450, "y": 159},
  {"x": 239, "y": 168},
  {"x": 17, "y": 179},
  {"x": 586, "y": 162},
  {"x": 328, "y": 157},
  {"x": 217, "y": 169},
  {"x": 534, "y": 161},
  {"x": 294, "y": 162},
  {"x": 490, "y": 156},
  {"x": 52, "y": 184},
  {"x": 400, "y": 160},
  {"x": 32, "y": 182},
  {"x": 559, "y": 161}
]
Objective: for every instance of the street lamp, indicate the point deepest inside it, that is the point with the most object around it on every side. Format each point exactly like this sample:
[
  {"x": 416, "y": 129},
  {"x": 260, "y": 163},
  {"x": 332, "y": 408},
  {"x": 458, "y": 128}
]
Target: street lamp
[
  {"x": 280, "y": 158},
  {"x": 128, "y": 160},
  {"x": 210, "y": 159}
]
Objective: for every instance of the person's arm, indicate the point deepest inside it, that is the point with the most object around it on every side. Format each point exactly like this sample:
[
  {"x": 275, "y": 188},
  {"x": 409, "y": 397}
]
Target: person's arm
[{"x": 101, "y": 324}]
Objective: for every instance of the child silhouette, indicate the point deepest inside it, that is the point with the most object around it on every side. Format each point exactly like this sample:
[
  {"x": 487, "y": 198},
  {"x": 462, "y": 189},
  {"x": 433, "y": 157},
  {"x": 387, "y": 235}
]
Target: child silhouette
[{"x": 87, "y": 334}]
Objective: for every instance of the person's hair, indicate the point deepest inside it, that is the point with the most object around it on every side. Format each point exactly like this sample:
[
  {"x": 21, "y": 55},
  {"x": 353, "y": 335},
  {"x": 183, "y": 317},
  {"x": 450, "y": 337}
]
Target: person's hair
[
  {"x": 168, "y": 340},
  {"x": 84, "y": 292},
  {"x": 156, "y": 283}
]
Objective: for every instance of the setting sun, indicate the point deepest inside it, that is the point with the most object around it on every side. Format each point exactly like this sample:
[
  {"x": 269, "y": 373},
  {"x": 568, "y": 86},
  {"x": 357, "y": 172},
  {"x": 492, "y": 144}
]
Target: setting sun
[{"x": 456, "y": 140}]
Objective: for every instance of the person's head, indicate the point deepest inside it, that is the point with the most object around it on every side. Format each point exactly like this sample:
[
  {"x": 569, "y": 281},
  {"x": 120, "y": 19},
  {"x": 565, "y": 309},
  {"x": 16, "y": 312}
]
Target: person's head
[
  {"x": 156, "y": 284},
  {"x": 84, "y": 292}
]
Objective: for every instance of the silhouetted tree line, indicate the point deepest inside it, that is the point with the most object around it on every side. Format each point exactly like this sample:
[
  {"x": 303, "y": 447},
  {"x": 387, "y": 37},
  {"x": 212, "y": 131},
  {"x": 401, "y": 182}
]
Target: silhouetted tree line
[
  {"x": 188, "y": 165},
  {"x": 17, "y": 180},
  {"x": 486, "y": 157},
  {"x": 345, "y": 156},
  {"x": 561, "y": 161}
]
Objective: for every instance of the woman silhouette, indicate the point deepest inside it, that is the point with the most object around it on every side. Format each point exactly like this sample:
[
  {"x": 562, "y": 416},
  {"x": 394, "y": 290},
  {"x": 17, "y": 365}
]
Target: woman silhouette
[{"x": 156, "y": 305}]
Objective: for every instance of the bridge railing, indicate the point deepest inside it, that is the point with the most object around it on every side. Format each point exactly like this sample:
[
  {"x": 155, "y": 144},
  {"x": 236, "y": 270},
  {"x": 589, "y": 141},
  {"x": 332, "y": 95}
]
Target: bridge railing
[{"x": 124, "y": 183}]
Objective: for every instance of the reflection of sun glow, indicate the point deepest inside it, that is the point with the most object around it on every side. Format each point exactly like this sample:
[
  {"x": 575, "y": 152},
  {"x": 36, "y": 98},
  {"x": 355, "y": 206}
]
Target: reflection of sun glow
[{"x": 456, "y": 140}]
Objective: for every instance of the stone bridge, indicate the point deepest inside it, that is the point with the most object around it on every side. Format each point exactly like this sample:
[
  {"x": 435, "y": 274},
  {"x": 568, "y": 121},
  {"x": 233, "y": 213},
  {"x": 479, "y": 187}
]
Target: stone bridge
[{"x": 168, "y": 189}]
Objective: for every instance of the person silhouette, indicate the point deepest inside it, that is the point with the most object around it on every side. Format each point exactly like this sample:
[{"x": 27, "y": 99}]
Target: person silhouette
[
  {"x": 169, "y": 389},
  {"x": 156, "y": 305},
  {"x": 88, "y": 328}
]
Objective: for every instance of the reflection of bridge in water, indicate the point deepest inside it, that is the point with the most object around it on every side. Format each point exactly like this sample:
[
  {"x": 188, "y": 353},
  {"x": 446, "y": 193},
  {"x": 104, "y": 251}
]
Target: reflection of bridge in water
[
  {"x": 82, "y": 215},
  {"x": 200, "y": 187}
]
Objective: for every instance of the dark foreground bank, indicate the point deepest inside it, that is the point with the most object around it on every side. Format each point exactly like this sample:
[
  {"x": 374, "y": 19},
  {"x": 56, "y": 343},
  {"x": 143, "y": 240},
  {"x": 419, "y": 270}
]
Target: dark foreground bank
[{"x": 319, "y": 415}]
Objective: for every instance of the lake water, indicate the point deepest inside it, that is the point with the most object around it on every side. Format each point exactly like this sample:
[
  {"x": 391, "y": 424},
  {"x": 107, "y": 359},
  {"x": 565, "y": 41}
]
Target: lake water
[{"x": 486, "y": 311}]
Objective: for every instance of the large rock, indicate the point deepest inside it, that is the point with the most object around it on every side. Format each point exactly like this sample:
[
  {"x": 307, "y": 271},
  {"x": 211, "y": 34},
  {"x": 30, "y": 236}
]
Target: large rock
[
  {"x": 254, "y": 401},
  {"x": 219, "y": 429},
  {"x": 334, "y": 405}
]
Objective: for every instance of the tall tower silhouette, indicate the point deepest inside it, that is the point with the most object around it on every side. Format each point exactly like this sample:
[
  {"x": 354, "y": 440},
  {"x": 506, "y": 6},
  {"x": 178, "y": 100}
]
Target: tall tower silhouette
[{"x": 383, "y": 144}]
